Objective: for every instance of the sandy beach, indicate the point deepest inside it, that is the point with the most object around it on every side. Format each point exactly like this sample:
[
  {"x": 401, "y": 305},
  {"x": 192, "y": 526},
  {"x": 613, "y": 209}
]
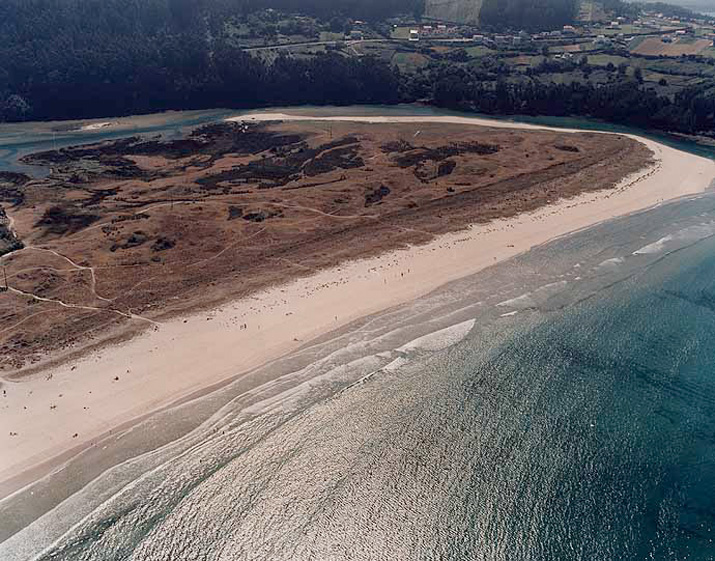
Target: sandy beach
[{"x": 51, "y": 412}]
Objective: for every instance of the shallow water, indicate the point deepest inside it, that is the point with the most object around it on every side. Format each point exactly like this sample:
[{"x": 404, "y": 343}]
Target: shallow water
[
  {"x": 19, "y": 139},
  {"x": 558, "y": 406}
]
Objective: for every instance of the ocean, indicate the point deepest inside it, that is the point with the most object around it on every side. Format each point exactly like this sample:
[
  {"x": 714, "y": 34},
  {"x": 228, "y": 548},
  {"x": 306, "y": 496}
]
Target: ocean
[{"x": 557, "y": 406}]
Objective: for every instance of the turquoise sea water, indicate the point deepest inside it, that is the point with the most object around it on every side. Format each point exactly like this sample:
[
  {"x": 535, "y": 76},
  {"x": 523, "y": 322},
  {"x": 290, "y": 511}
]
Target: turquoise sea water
[{"x": 559, "y": 406}]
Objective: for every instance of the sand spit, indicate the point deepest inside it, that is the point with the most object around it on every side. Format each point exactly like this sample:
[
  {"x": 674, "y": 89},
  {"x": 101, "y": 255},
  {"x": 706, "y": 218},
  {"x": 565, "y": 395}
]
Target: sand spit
[{"x": 70, "y": 406}]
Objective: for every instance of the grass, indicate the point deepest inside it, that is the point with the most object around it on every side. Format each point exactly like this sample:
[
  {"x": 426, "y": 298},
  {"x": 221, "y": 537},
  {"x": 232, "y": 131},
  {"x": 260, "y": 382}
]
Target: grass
[
  {"x": 573, "y": 48},
  {"x": 524, "y": 60},
  {"x": 679, "y": 66},
  {"x": 329, "y": 36},
  {"x": 401, "y": 32},
  {"x": 626, "y": 29},
  {"x": 603, "y": 60},
  {"x": 637, "y": 41},
  {"x": 687, "y": 40},
  {"x": 479, "y": 50},
  {"x": 591, "y": 11},
  {"x": 409, "y": 61}
]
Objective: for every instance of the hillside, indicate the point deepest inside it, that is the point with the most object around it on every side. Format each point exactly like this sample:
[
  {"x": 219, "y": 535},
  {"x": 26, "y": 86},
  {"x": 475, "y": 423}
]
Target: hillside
[
  {"x": 528, "y": 14},
  {"x": 699, "y": 6},
  {"x": 517, "y": 14},
  {"x": 459, "y": 11}
]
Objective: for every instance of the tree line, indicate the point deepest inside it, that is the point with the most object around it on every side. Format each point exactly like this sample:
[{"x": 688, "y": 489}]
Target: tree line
[
  {"x": 490, "y": 89},
  {"x": 62, "y": 59},
  {"x": 76, "y": 59}
]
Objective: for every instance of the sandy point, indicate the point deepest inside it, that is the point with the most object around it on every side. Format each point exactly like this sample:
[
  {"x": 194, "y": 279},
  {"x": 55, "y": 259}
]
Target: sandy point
[{"x": 64, "y": 408}]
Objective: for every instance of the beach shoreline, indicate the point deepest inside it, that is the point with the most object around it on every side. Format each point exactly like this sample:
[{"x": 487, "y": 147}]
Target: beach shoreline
[{"x": 117, "y": 385}]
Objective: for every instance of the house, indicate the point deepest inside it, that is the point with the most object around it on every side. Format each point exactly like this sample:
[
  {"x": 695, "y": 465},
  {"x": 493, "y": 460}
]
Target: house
[{"x": 414, "y": 35}]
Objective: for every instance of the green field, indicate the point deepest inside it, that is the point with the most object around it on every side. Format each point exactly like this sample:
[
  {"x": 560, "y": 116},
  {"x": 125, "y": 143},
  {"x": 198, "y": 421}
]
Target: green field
[
  {"x": 591, "y": 11},
  {"x": 479, "y": 50},
  {"x": 637, "y": 41},
  {"x": 574, "y": 48},
  {"x": 625, "y": 29},
  {"x": 401, "y": 32},
  {"x": 409, "y": 61},
  {"x": 603, "y": 60},
  {"x": 524, "y": 60},
  {"x": 329, "y": 36}
]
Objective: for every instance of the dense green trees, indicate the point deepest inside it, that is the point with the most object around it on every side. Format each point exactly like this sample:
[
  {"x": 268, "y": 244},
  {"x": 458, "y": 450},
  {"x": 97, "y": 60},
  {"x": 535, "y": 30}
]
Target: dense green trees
[
  {"x": 624, "y": 100},
  {"x": 89, "y": 58}
]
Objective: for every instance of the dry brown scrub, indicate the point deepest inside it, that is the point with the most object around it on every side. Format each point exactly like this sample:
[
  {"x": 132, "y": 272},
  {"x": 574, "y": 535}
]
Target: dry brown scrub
[{"x": 124, "y": 235}]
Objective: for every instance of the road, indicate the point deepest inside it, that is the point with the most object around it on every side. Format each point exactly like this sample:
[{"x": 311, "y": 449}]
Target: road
[{"x": 318, "y": 44}]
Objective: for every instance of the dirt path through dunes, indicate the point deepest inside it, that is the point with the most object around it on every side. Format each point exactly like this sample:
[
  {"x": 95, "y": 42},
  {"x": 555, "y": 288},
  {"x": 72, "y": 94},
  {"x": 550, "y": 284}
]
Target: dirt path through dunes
[
  {"x": 80, "y": 307},
  {"x": 76, "y": 266}
]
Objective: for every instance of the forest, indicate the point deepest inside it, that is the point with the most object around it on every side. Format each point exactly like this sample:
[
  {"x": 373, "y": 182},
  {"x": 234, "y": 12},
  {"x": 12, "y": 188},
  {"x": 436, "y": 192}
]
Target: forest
[
  {"x": 76, "y": 59},
  {"x": 66, "y": 59},
  {"x": 624, "y": 102}
]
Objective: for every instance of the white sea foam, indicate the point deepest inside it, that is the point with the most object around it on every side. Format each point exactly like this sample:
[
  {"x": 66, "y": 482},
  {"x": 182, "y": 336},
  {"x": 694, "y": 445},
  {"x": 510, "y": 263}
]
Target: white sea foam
[
  {"x": 684, "y": 236},
  {"x": 395, "y": 364},
  {"x": 531, "y": 299},
  {"x": 98, "y": 126},
  {"x": 523, "y": 301},
  {"x": 440, "y": 339},
  {"x": 610, "y": 263},
  {"x": 655, "y": 247}
]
